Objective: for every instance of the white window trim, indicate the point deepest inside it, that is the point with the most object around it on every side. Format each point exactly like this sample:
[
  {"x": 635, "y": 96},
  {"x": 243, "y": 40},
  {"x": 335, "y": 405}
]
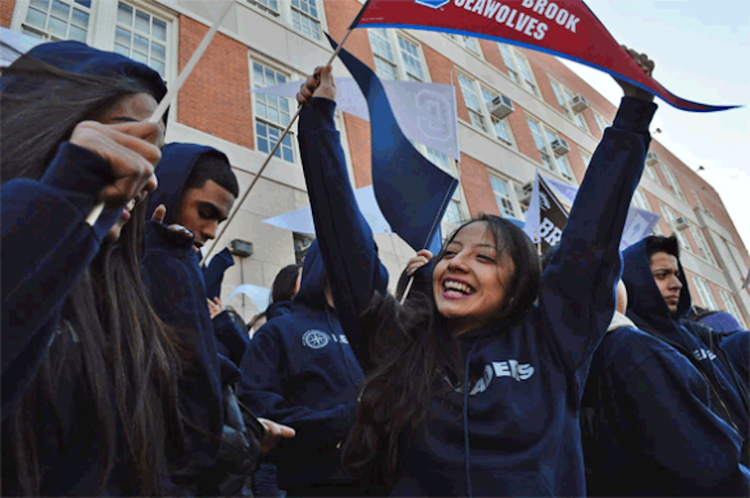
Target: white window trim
[
  {"x": 477, "y": 86},
  {"x": 512, "y": 194},
  {"x": 669, "y": 215},
  {"x": 566, "y": 105},
  {"x": 462, "y": 41},
  {"x": 639, "y": 205},
  {"x": 22, "y": 8},
  {"x": 291, "y": 76},
  {"x": 284, "y": 17},
  {"x": 672, "y": 182},
  {"x": 707, "y": 300},
  {"x": 599, "y": 118},
  {"x": 516, "y": 56},
  {"x": 704, "y": 249},
  {"x": 548, "y": 148},
  {"x": 735, "y": 311},
  {"x": 401, "y": 72}
]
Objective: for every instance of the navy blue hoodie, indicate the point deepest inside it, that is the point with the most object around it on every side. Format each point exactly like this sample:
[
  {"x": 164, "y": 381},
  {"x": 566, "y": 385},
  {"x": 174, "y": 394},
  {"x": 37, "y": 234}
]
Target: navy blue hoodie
[
  {"x": 46, "y": 246},
  {"x": 699, "y": 344},
  {"x": 737, "y": 347},
  {"x": 516, "y": 430},
  {"x": 173, "y": 275},
  {"x": 300, "y": 371},
  {"x": 648, "y": 428}
]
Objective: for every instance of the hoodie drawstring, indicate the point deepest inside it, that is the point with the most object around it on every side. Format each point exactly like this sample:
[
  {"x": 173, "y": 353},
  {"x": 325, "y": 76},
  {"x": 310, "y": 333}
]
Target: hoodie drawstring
[{"x": 467, "y": 448}]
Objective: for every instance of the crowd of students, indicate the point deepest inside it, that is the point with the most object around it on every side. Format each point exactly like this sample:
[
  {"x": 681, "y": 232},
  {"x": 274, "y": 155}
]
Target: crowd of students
[{"x": 496, "y": 376}]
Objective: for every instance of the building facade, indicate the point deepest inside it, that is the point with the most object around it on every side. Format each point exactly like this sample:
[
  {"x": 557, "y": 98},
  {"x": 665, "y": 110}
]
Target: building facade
[{"x": 554, "y": 127}]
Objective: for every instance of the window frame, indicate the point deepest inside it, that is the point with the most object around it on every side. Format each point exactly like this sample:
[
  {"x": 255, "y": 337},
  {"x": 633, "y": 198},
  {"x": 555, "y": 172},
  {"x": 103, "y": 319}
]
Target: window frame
[
  {"x": 707, "y": 300},
  {"x": 602, "y": 122},
  {"x": 393, "y": 37},
  {"x": 544, "y": 131},
  {"x": 704, "y": 249},
  {"x": 481, "y": 90},
  {"x": 511, "y": 197},
  {"x": 563, "y": 95},
  {"x": 289, "y": 75},
  {"x": 284, "y": 16},
  {"x": 520, "y": 61},
  {"x": 450, "y": 166},
  {"x": 727, "y": 297},
  {"x": 671, "y": 219},
  {"x": 672, "y": 182},
  {"x": 465, "y": 41},
  {"x": 640, "y": 200},
  {"x": 21, "y": 13}
]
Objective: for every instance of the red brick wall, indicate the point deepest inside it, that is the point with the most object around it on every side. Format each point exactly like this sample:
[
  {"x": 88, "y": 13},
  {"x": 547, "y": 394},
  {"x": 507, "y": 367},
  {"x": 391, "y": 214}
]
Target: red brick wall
[
  {"x": 475, "y": 180},
  {"x": 6, "y": 12},
  {"x": 358, "y": 134},
  {"x": 522, "y": 134},
  {"x": 215, "y": 97}
]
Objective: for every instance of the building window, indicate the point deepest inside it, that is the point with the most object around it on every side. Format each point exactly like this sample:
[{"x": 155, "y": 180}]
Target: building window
[
  {"x": 473, "y": 103},
  {"x": 732, "y": 308},
  {"x": 601, "y": 121},
  {"x": 391, "y": 63},
  {"x": 468, "y": 42},
  {"x": 503, "y": 197},
  {"x": 305, "y": 17},
  {"x": 270, "y": 6},
  {"x": 142, "y": 37},
  {"x": 671, "y": 220},
  {"x": 651, "y": 173},
  {"x": 543, "y": 139},
  {"x": 519, "y": 68},
  {"x": 672, "y": 181},
  {"x": 272, "y": 114},
  {"x": 705, "y": 250},
  {"x": 705, "y": 293},
  {"x": 564, "y": 97},
  {"x": 58, "y": 19},
  {"x": 640, "y": 200},
  {"x": 586, "y": 157},
  {"x": 501, "y": 127}
]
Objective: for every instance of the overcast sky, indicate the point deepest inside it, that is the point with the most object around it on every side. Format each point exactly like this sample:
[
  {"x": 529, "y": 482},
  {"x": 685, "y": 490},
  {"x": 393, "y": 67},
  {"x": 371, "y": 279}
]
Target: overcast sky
[{"x": 702, "y": 53}]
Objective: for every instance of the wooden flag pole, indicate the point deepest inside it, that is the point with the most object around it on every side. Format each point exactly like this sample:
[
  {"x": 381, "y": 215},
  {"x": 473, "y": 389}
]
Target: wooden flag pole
[
  {"x": 158, "y": 114},
  {"x": 273, "y": 151}
]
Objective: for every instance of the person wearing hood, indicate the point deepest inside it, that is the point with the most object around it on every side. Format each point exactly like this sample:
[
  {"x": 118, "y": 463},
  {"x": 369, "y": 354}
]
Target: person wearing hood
[
  {"x": 300, "y": 371},
  {"x": 659, "y": 303},
  {"x": 647, "y": 424},
  {"x": 285, "y": 287},
  {"x": 473, "y": 389},
  {"x": 89, "y": 375},
  {"x": 197, "y": 191},
  {"x": 734, "y": 340}
]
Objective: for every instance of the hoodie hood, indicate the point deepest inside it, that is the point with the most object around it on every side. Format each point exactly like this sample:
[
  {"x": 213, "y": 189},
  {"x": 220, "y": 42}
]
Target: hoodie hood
[
  {"x": 311, "y": 290},
  {"x": 79, "y": 58},
  {"x": 645, "y": 301},
  {"x": 177, "y": 162},
  {"x": 722, "y": 322}
]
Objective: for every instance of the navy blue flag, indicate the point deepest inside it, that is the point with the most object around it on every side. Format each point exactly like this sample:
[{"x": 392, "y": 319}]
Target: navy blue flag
[
  {"x": 213, "y": 274},
  {"x": 412, "y": 193}
]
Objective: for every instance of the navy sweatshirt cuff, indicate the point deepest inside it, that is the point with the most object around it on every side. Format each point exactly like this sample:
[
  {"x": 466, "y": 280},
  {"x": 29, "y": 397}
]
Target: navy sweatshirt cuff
[
  {"x": 319, "y": 114},
  {"x": 159, "y": 236},
  {"x": 634, "y": 114},
  {"x": 76, "y": 169}
]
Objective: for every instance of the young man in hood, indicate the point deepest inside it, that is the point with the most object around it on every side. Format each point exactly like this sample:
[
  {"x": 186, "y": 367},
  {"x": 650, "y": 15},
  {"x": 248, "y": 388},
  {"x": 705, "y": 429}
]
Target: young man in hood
[
  {"x": 196, "y": 192},
  {"x": 653, "y": 422},
  {"x": 301, "y": 371}
]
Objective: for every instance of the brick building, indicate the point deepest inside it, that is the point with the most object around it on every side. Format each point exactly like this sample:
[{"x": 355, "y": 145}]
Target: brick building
[{"x": 264, "y": 42}]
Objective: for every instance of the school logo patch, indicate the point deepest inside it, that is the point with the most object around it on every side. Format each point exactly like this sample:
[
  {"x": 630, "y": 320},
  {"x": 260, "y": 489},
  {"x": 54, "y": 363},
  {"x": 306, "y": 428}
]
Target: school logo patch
[
  {"x": 435, "y": 4},
  {"x": 315, "y": 339}
]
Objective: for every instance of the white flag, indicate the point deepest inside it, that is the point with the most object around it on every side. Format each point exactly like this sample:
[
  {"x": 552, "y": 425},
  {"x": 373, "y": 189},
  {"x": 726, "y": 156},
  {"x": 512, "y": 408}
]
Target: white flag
[{"x": 426, "y": 112}]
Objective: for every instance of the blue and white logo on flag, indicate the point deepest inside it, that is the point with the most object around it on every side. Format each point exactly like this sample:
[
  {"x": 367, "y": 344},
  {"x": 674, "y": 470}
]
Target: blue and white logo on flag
[{"x": 435, "y": 4}]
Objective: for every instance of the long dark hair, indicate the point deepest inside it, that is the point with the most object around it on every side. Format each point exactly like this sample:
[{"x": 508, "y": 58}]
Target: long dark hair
[
  {"x": 281, "y": 290},
  {"x": 413, "y": 357},
  {"x": 109, "y": 335}
]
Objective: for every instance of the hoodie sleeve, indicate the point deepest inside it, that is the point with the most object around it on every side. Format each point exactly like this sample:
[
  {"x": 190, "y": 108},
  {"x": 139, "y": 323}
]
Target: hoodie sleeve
[
  {"x": 173, "y": 277},
  {"x": 46, "y": 246},
  {"x": 261, "y": 389},
  {"x": 577, "y": 295},
  {"x": 345, "y": 238},
  {"x": 230, "y": 340},
  {"x": 668, "y": 403}
]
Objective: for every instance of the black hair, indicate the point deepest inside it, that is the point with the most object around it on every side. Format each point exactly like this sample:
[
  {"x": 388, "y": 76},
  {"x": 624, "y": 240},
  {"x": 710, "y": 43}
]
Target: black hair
[
  {"x": 109, "y": 336},
  {"x": 213, "y": 166},
  {"x": 413, "y": 356},
  {"x": 285, "y": 283},
  {"x": 657, "y": 243}
]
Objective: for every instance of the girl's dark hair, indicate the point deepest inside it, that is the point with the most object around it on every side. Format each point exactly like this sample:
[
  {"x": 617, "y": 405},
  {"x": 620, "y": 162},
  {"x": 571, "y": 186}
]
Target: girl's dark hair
[
  {"x": 413, "y": 357},
  {"x": 109, "y": 335},
  {"x": 284, "y": 284}
]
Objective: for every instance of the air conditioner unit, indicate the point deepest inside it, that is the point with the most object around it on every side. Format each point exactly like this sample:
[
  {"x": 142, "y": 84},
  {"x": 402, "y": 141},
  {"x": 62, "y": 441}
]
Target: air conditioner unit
[
  {"x": 652, "y": 159},
  {"x": 501, "y": 106},
  {"x": 560, "y": 147},
  {"x": 579, "y": 103},
  {"x": 681, "y": 223}
]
